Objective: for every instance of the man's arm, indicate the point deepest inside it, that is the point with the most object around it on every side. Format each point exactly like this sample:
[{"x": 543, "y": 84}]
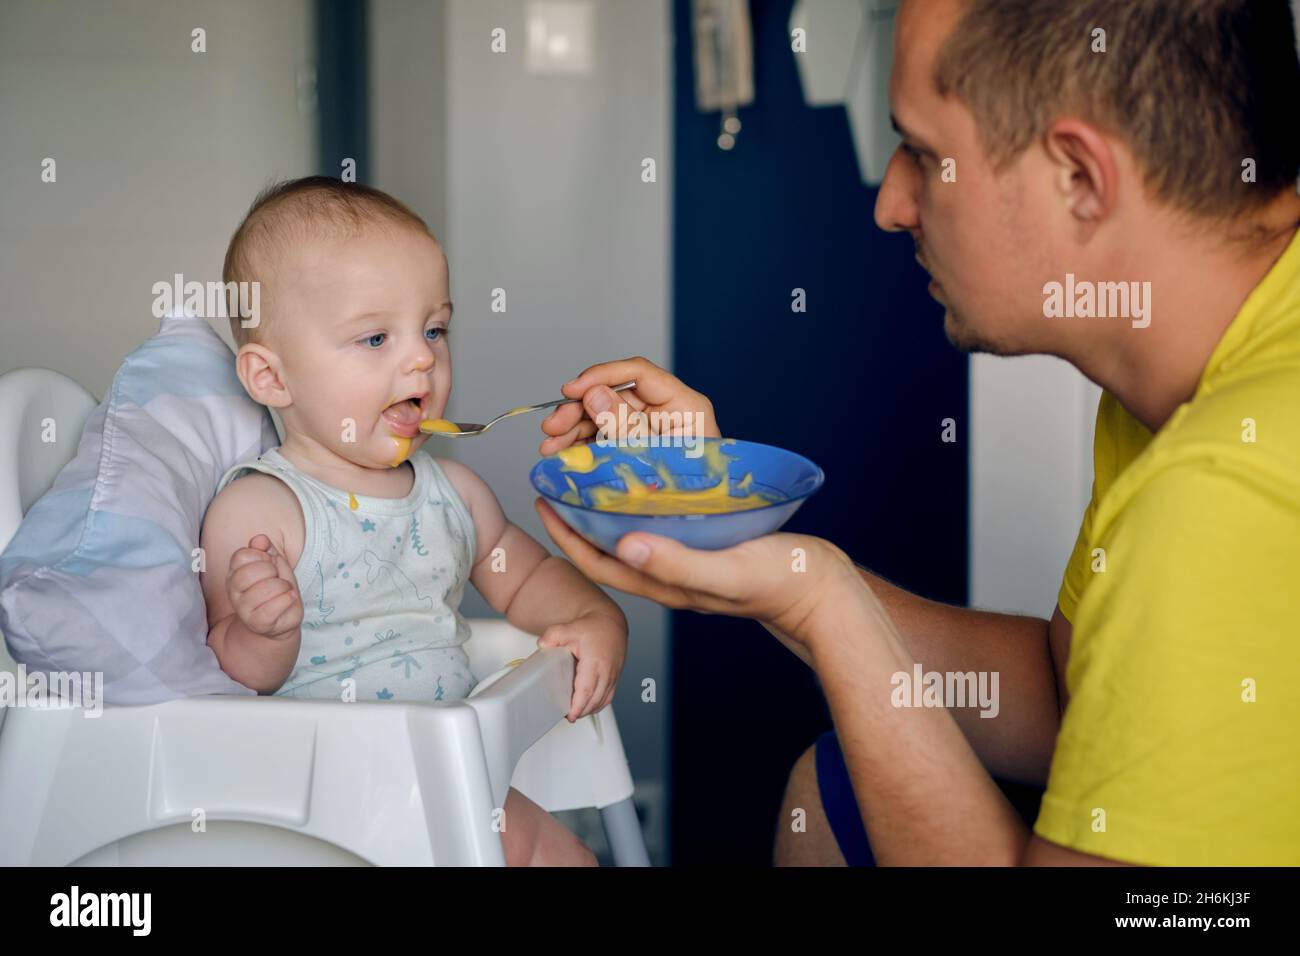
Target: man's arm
[
  {"x": 924, "y": 796},
  {"x": 1017, "y": 744},
  {"x": 1028, "y": 654}
]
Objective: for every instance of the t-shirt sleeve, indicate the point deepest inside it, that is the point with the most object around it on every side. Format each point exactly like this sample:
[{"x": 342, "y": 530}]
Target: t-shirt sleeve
[
  {"x": 1118, "y": 438},
  {"x": 1179, "y": 745},
  {"x": 1077, "y": 568}
]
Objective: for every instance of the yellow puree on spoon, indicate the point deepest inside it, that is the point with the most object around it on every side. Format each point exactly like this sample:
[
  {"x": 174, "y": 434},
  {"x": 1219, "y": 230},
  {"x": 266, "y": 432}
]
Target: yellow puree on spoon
[
  {"x": 430, "y": 425},
  {"x": 667, "y": 498}
]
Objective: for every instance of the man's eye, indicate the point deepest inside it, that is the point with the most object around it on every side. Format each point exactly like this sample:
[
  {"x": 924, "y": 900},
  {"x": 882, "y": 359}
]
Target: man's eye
[
  {"x": 378, "y": 335},
  {"x": 435, "y": 334}
]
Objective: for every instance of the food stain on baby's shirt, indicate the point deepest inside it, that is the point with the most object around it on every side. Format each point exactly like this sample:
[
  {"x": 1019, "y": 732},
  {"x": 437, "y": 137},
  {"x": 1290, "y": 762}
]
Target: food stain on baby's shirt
[{"x": 381, "y": 581}]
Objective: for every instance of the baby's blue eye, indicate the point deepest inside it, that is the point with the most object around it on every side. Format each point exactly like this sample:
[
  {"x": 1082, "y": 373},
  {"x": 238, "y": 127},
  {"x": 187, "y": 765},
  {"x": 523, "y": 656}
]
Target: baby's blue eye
[
  {"x": 434, "y": 334},
  {"x": 378, "y": 335}
]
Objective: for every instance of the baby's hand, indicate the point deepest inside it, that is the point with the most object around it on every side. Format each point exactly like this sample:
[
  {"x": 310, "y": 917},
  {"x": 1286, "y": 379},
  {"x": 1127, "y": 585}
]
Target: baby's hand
[
  {"x": 263, "y": 591},
  {"x": 599, "y": 642}
]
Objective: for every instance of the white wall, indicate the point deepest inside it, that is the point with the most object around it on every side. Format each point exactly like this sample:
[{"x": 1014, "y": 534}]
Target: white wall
[
  {"x": 534, "y": 185},
  {"x": 159, "y": 151},
  {"x": 1030, "y": 477}
]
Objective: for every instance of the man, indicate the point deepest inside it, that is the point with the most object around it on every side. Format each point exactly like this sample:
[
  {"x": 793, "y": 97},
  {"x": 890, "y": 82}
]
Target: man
[{"x": 1112, "y": 182}]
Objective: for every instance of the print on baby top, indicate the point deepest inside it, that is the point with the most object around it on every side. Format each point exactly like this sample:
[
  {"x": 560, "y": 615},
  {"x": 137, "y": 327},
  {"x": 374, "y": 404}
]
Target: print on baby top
[{"x": 381, "y": 581}]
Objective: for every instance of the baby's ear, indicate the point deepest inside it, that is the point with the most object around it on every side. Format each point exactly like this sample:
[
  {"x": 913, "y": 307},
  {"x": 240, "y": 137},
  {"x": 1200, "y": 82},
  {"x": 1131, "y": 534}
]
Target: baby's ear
[{"x": 258, "y": 369}]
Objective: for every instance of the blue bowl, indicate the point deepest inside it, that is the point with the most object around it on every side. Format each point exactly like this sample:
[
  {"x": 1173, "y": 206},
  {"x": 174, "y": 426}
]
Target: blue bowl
[{"x": 776, "y": 471}]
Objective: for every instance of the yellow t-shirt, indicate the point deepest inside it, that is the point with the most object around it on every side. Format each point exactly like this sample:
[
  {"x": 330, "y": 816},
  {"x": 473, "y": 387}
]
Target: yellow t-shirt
[{"x": 1180, "y": 743}]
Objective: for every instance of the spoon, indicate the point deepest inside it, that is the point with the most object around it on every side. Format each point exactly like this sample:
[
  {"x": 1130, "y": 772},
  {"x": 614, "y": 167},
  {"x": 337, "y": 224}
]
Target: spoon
[{"x": 446, "y": 429}]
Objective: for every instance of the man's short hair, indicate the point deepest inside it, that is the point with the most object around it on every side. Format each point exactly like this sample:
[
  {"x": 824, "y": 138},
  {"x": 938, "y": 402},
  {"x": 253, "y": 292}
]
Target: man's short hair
[
  {"x": 1194, "y": 87},
  {"x": 294, "y": 211}
]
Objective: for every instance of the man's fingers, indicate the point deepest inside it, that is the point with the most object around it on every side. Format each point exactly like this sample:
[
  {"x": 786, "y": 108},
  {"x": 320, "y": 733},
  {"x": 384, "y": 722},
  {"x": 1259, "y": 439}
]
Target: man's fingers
[
  {"x": 578, "y": 434},
  {"x": 654, "y": 385},
  {"x": 557, "y": 443},
  {"x": 600, "y": 567},
  {"x": 563, "y": 419},
  {"x": 708, "y": 573},
  {"x": 602, "y": 405},
  {"x": 583, "y": 419},
  {"x": 586, "y": 431}
]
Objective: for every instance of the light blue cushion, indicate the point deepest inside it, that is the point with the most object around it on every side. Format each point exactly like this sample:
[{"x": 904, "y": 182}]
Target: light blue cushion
[{"x": 100, "y": 574}]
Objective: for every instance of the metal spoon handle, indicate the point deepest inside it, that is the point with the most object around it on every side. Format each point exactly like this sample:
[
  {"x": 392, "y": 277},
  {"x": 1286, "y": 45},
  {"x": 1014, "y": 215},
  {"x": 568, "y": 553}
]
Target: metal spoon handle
[
  {"x": 466, "y": 430},
  {"x": 566, "y": 401}
]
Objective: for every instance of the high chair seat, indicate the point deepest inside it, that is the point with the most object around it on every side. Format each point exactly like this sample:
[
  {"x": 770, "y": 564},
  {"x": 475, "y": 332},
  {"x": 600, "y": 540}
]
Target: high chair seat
[{"x": 218, "y": 780}]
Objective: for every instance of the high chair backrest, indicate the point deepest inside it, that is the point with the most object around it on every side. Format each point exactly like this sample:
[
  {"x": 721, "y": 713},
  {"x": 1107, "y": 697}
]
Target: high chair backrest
[{"x": 42, "y": 414}]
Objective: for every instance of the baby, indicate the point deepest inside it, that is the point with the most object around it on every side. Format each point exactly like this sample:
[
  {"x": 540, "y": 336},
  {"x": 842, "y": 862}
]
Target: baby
[{"x": 336, "y": 562}]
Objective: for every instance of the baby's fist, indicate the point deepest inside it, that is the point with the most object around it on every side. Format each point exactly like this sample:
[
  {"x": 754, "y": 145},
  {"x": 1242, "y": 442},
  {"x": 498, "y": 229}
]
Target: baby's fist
[{"x": 263, "y": 590}]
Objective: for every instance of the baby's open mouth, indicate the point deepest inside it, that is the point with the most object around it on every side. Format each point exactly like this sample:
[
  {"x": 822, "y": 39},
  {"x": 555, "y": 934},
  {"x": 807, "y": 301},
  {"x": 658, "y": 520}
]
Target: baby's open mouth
[{"x": 405, "y": 416}]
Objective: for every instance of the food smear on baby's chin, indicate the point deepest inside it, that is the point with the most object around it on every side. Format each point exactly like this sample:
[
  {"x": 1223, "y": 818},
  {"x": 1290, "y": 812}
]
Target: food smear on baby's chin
[
  {"x": 430, "y": 425},
  {"x": 662, "y": 497},
  {"x": 401, "y": 450}
]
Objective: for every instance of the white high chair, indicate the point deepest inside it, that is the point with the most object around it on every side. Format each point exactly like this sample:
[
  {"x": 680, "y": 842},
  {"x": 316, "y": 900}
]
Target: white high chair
[{"x": 276, "y": 780}]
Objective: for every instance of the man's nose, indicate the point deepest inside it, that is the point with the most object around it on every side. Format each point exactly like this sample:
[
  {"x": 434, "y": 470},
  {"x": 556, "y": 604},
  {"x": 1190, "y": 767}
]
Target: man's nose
[{"x": 895, "y": 202}]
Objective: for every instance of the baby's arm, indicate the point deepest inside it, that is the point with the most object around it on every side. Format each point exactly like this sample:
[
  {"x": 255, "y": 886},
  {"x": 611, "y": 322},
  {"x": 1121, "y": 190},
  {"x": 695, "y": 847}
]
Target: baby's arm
[
  {"x": 544, "y": 595},
  {"x": 254, "y": 609}
]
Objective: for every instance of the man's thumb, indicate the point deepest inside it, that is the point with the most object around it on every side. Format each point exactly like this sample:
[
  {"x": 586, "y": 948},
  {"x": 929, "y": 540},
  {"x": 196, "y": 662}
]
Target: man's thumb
[
  {"x": 671, "y": 562},
  {"x": 599, "y": 399}
]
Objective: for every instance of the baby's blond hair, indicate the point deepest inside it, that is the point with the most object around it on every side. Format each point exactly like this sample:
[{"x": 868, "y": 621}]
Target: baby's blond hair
[{"x": 293, "y": 211}]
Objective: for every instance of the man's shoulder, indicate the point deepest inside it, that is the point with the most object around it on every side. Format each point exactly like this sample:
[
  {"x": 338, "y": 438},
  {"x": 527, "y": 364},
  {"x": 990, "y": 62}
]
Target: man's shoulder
[
  {"x": 1257, "y": 409},
  {"x": 1238, "y": 440}
]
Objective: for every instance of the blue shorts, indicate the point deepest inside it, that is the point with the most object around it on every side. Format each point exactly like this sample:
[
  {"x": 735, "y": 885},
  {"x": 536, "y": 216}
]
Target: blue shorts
[
  {"x": 842, "y": 807},
  {"x": 840, "y": 804}
]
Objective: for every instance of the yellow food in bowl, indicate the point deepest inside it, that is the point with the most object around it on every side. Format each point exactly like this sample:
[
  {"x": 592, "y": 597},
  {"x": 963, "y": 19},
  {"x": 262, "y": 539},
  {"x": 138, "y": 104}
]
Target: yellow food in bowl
[{"x": 665, "y": 497}]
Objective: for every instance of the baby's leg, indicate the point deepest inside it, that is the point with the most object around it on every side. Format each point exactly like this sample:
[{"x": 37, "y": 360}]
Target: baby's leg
[{"x": 533, "y": 837}]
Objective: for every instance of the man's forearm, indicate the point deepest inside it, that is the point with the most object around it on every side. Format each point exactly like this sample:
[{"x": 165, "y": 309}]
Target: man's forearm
[
  {"x": 1017, "y": 744},
  {"x": 256, "y": 661},
  {"x": 924, "y": 795}
]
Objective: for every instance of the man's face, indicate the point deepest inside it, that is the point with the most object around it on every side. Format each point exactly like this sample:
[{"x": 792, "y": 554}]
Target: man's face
[
  {"x": 985, "y": 238},
  {"x": 367, "y": 322}
]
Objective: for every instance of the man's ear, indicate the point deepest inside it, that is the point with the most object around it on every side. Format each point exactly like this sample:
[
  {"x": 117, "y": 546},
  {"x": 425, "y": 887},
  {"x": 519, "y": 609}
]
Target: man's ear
[
  {"x": 1085, "y": 169},
  {"x": 260, "y": 370}
]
